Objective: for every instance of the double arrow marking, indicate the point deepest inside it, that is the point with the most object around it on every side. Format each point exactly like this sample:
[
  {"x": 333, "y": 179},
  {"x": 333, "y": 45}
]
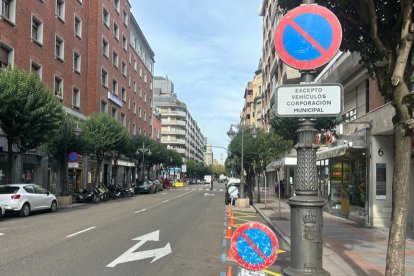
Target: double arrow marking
[{"x": 130, "y": 255}]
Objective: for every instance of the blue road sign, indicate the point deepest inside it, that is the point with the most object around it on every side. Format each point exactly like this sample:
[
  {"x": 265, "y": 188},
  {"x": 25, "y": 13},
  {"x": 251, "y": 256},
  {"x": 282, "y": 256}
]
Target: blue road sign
[
  {"x": 308, "y": 36},
  {"x": 254, "y": 246}
]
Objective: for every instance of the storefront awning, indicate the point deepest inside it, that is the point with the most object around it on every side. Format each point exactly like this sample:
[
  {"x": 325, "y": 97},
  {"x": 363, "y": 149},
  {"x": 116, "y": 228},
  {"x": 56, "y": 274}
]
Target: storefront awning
[
  {"x": 333, "y": 152},
  {"x": 279, "y": 163}
]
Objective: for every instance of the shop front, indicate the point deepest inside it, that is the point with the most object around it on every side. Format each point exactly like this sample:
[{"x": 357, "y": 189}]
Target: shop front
[{"x": 343, "y": 180}]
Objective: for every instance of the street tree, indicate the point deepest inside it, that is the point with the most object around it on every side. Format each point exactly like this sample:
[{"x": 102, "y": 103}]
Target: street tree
[
  {"x": 268, "y": 146},
  {"x": 101, "y": 136},
  {"x": 29, "y": 113},
  {"x": 58, "y": 146},
  {"x": 382, "y": 32},
  {"x": 217, "y": 169}
]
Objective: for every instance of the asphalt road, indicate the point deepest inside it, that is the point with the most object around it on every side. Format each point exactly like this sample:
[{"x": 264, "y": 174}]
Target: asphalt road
[{"x": 183, "y": 227}]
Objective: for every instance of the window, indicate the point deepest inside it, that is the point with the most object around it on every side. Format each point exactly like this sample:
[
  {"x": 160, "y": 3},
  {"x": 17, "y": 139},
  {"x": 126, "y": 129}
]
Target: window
[
  {"x": 140, "y": 71},
  {"x": 104, "y": 78},
  {"x": 124, "y": 68},
  {"x": 58, "y": 87},
  {"x": 114, "y": 113},
  {"x": 135, "y": 87},
  {"x": 135, "y": 65},
  {"x": 145, "y": 96},
  {"x": 105, "y": 17},
  {"x": 125, "y": 18},
  {"x": 36, "y": 69},
  {"x": 123, "y": 119},
  {"x": 115, "y": 86},
  {"x": 123, "y": 93},
  {"x": 75, "y": 97},
  {"x": 140, "y": 91},
  {"x": 145, "y": 77},
  {"x": 8, "y": 10},
  {"x": 78, "y": 27},
  {"x": 116, "y": 5},
  {"x": 105, "y": 47},
  {"x": 104, "y": 107},
  {"x": 59, "y": 48},
  {"x": 145, "y": 116},
  {"x": 6, "y": 56},
  {"x": 60, "y": 9},
  {"x": 115, "y": 58},
  {"x": 37, "y": 30},
  {"x": 76, "y": 62},
  {"x": 134, "y": 129},
  {"x": 124, "y": 43},
  {"x": 135, "y": 108},
  {"x": 140, "y": 112},
  {"x": 116, "y": 31}
]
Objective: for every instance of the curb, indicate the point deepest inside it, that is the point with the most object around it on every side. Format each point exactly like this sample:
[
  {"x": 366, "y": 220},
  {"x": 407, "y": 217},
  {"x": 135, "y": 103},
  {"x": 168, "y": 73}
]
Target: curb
[
  {"x": 280, "y": 233},
  {"x": 70, "y": 206}
]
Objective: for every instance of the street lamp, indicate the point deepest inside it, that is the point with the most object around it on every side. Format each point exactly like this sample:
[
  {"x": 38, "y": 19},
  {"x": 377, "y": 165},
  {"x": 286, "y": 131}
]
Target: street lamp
[
  {"x": 143, "y": 151},
  {"x": 231, "y": 133}
]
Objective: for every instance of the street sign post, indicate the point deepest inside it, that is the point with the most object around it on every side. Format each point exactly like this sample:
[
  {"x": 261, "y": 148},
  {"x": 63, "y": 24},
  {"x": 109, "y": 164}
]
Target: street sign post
[
  {"x": 234, "y": 193},
  {"x": 309, "y": 100},
  {"x": 254, "y": 246},
  {"x": 308, "y": 36}
]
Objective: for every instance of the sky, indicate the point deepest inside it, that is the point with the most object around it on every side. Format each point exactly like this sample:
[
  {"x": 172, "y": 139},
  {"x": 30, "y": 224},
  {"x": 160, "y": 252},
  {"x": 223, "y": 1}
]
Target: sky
[{"x": 210, "y": 50}]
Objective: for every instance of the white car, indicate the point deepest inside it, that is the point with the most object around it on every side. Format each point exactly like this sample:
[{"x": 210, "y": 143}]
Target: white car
[
  {"x": 2, "y": 209},
  {"x": 25, "y": 198}
]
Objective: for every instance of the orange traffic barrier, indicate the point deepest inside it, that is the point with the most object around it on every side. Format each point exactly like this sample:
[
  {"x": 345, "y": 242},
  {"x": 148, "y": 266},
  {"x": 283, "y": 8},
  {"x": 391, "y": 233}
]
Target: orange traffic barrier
[
  {"x": 230, "y": 256},
  {"x": 229, "y": 212},
  {"x": 228, "y": 233},
  {"x": 231, "y": 223},
  {"x": 229, "y": 271}
]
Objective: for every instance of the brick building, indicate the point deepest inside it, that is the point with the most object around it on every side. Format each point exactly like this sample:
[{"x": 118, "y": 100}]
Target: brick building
[{"x": 91, "y": 54}]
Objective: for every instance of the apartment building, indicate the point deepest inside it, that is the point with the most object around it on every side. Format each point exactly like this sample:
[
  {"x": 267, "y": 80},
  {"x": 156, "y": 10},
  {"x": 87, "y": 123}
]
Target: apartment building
[
  {"x": 274, "y": 71},
  {"x": 179, "y": 131},
  {"x": 253, "y": 101},
  {"x": 93, "y": 57}
]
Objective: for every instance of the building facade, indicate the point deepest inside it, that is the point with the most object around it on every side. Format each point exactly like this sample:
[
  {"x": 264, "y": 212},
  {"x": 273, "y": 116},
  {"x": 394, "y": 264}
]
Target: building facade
[
  {"x": 253, "y": 101},
  {"x": 93, "y": 57},
  {"x": 179, "y": 131}
]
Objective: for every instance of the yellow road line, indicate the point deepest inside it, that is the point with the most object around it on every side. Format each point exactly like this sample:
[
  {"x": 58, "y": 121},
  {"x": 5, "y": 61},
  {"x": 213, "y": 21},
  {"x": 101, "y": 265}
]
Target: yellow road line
[{"x": 271, "y": 272}]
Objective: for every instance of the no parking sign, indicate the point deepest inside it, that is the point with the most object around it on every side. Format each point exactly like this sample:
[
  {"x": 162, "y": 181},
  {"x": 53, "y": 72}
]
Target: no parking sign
[
  {"x": 308, "y": 36},
  {"x": 254, "y": 246}
]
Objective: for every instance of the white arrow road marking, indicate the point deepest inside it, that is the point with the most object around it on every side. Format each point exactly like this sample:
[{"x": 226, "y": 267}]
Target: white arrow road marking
[
  {"x": 74, "y": 234},
  {"x": 130, "y": 255},
  {"x": 136, "y": 212}
]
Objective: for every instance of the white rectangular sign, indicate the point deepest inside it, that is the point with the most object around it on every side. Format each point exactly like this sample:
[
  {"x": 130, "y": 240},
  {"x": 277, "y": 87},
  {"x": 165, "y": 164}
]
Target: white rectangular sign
[{"x": 309, "y": 100}]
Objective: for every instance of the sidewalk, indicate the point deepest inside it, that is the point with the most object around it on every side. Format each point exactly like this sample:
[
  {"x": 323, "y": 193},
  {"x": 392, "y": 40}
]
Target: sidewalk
[{"x": 348, "y": 248}]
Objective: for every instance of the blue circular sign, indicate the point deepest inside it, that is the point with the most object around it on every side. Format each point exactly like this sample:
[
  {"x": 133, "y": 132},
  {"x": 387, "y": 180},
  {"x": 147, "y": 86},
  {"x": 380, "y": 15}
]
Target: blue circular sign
[
  {"x": 73, "y": 156},
  {"x": 308, "y": 36},
  {"x": 254, "y": 246}
]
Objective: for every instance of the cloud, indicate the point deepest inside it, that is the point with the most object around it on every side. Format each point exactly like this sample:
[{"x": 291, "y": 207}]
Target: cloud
[{"x": 210, "y": 49}]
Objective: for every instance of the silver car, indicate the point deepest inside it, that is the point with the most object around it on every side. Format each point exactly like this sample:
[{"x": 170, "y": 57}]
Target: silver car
[{"x": 25, "y": 198}]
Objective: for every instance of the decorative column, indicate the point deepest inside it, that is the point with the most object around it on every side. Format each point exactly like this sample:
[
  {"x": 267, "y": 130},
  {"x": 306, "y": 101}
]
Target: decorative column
[{"x": 306, "y": 208}]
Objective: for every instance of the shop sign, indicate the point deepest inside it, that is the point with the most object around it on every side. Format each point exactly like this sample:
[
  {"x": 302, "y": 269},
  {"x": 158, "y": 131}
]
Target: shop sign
[{"x": 73, "y": 165}]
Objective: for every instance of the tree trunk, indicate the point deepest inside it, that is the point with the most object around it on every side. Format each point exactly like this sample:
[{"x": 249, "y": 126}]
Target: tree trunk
[
  {"x": 395, "y": 263},
  {"x": 98, "y": 170},
  {"x": 9, "y": 169}
]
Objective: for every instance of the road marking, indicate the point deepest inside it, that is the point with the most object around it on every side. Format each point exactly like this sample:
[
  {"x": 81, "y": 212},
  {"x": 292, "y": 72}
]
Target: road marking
[
  {"x": 184, "y": 194},
  {"x": 156, "y": 254},
  {"x": 142, "y": 210},
  {"x": 1, "y": 234},
  {"x": 200, "y": 189},
  {"x": 271, "y": 272},
  {"x": 221, "y": 190},
  {"x": 165, "y": 201},
  {"x": 164, "y": 194},
  {"x": 74, "y": 234}
]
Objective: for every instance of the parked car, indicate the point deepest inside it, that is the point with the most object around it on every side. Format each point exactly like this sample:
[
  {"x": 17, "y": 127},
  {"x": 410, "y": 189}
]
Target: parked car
[
  {"x": 247, "y": 193},
  {"x": 158, "y": 185},
  {"x": 2, "y": 209},
  {"x": 26, "y": 198},
  {"x": 146, "y": 186}
]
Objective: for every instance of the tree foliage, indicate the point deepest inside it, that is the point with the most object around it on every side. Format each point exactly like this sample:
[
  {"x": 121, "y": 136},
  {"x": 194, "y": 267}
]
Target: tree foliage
[
  {"x": 102, "y": 135},
  {"x": 29, "y": 114},
  {"x": 382, "y": 32}
]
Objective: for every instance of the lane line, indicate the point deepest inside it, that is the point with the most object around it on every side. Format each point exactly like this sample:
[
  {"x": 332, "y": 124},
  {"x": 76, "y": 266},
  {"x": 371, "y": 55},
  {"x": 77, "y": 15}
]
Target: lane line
[
  {"x": 271, "y": 272},
  {"x": 77, "y": 233},
  {"x": 142, "y": 210},
  {"x": 184, "y": 194},
  {"x": 165, "y": 201}
]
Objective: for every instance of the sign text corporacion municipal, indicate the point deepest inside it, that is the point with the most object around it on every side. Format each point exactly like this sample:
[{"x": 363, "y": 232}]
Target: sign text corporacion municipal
[{"x": 309, "y": 100}]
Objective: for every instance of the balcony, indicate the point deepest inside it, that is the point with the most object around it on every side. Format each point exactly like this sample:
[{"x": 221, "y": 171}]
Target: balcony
[
  {"x": 172, "y": 131},
  {"x": 173, "y": 122},
  {"x": 174, "y": 113},
  {"x": 172, "y": 140}
]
